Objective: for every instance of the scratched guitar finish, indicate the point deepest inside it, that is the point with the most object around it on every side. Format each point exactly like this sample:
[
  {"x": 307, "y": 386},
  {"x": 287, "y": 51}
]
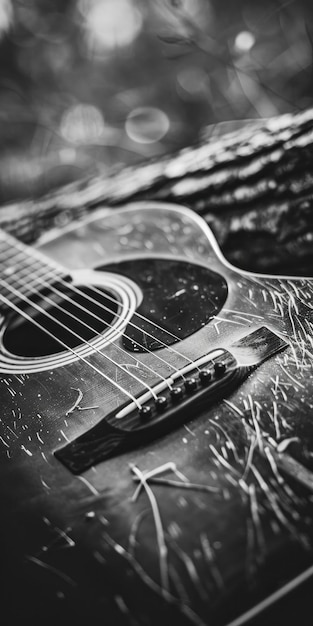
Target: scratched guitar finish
[{"x": 206, "y": 522}]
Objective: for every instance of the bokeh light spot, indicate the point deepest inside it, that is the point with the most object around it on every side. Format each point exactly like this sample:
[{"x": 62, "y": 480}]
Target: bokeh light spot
[
  {"x": 111, "y": 23},
  {"x": 244, "y": 41},
  {"x": 147, "y": 124},
  {"x": 82, "y": 124}
]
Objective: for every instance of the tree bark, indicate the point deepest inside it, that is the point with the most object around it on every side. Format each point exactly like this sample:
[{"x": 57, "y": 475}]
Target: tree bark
[{"x": 253, "y": 186}]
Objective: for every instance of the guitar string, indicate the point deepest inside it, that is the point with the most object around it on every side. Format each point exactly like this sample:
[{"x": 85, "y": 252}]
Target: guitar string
[
  {"x": 32, "y": 255},
  {"x": 168, "y": 383},
  {"x": 42, "y": 311},
  {"x": 110, "y": 326},
  {"x": 107, "y": 309},
  {"x": 128, "y": 354},
  {"x": 157, "y": 326},
  {"x": 58, "y": 306},
  {"x": 80, "y": 357},
  {"x": 64, "y": 327},
  {"x": 35, "y": 254}
]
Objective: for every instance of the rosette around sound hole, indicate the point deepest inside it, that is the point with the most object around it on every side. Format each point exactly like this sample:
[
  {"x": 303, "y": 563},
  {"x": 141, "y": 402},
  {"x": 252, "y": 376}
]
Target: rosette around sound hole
[{"x": 63, "y": 320}]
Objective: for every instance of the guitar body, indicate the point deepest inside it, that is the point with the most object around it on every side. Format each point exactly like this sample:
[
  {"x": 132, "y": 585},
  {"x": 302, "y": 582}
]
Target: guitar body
[{"x": 206, "y": 522}]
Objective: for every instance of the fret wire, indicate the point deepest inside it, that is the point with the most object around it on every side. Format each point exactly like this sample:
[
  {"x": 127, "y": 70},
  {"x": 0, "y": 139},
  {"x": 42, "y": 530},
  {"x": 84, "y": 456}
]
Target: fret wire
[
  {"x": 17, "y": 248},
  {"x": 18, "y": 261},
  {"x": 25, "y": 258}
]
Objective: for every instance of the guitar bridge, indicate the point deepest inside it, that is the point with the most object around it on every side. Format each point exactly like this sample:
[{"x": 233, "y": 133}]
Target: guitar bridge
[{"x": 172, "y": 402}]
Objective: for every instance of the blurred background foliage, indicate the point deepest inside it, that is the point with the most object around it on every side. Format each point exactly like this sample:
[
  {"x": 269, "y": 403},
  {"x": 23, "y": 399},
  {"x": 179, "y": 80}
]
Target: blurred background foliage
[{"x": 87, "y": 85}]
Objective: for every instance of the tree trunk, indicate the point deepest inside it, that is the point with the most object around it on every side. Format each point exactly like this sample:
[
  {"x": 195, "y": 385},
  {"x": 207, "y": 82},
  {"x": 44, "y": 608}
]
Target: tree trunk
[{"x": 254, "y": 187}]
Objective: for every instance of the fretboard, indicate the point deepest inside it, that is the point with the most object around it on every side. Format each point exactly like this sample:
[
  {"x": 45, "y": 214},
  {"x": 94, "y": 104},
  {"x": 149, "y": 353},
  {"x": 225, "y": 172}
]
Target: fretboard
[{"x": 24, "y": 272}]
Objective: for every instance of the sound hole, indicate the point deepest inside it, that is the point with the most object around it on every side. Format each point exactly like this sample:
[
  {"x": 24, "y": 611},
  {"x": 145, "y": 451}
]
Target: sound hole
[{"x": 66, "y": 323}]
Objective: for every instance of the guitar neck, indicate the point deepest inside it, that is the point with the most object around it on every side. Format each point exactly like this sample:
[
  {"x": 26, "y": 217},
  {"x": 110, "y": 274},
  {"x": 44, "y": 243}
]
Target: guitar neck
[{"x": 24, "y": 272}]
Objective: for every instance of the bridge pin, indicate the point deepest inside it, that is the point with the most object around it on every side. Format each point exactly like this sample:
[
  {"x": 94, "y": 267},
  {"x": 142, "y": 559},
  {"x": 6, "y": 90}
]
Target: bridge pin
[
  {"x": 145, "y": 411},
  {"x": 160, "y": 403},
  {"x": 176, "y": 394},
  {"x": 190, "y": 385},
  {"x": 205, "y": 377},
  {"x": 219, "y": 368}
]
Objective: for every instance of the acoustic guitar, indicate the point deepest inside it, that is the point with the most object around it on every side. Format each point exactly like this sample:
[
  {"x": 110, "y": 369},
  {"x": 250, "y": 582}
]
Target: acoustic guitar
[{"x": 156, "y": 428}]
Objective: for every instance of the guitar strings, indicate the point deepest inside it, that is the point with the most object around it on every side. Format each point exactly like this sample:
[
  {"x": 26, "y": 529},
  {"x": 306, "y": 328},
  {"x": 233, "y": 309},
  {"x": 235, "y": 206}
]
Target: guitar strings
[
  {"x": 125, "y": 352},
  {"x": 107, "y": 309},
  {"x": 35, "y": 253},
  {"x": 58, "y": 306},
  {"x": 155, "y": 356},
  {"x": 80, "y": 357},
  {"x": 51, "y": 270},
  {"x": 64, "y": 327},
  {"x": 24, "y": 251}
]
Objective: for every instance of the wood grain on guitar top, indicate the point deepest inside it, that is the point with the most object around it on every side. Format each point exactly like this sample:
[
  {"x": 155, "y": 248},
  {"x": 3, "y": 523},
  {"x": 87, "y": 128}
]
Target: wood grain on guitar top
[{"x": 204, "y": 525}]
